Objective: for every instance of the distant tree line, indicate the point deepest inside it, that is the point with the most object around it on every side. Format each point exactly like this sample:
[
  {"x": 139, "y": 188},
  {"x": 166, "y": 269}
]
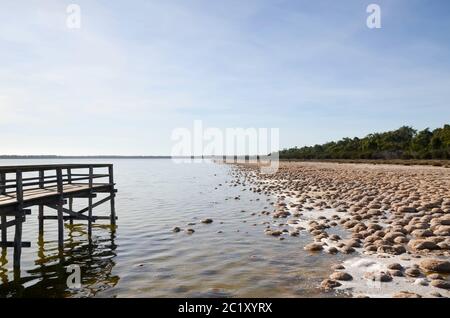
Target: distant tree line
[{"x": 403, "y": 143}]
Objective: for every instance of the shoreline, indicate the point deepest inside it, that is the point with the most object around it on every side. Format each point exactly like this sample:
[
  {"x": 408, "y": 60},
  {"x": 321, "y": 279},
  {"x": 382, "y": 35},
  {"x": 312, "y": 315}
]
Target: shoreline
[
  {"x": 403, "y": 162},
  {"x": 394, "y": 223}
]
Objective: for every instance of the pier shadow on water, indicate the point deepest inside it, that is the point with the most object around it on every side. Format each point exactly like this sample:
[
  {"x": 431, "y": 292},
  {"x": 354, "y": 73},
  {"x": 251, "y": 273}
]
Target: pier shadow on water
[{"x": 48, "y": 278}]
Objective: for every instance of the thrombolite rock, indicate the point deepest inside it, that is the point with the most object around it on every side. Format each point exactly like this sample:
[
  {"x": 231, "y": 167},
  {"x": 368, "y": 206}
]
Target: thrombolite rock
[
  {"x": 396, "y": 266},
  {"x": 313, "y": 247},
  {"x": 439, "y": 283},
  {"x": 378, "y": 276},
  {"x": 407, "y": 209},
  {"x": 435, "y": 276},
  {"x": 337, "y": 267},
  {"x": 395, "y": 249},
  {"x": 444, "y": 246},
  {"x": 422, "y": 233},
  {"x": 371, "y": 248},
  {"x": 444, "y": 220},
  {"x": 412, "y": 272},
  {"x": 421, "y": 244},
  {"x": 435, "y": 294},
  {"x": 442, "y": 230},
  {"x": 328, "y": 284},
  {"x": 190, "y": 231},
  {"x": 341, "y": 276},
  {"x": 347, "y": 249},
  {"x": 421, "y": 282},
  {"x": 401, "y": 240},
  {"x": 392, "y": 235},
  {"x": 354, "y": 243},
  {"x": 275, "y": 232},
  {"x": 396, "y": 272},
  {"x": 332, "y": 250},
  {"x": 406, "y": 294},
  {"x": 176, "y": 229},
  {"x": 335, "y": 237},
  {"x": 435, "y": 265},
  {"x": 207, "y": 221}
]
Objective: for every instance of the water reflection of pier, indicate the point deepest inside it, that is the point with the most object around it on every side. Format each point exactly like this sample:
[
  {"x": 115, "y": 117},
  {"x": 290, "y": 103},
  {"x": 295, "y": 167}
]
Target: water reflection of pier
[{"x": 95, "y": 254}]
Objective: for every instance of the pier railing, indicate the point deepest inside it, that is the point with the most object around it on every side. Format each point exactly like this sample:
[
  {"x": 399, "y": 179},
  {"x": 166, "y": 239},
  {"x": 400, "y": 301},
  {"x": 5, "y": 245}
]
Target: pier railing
[{"x": 17, "y": 179}]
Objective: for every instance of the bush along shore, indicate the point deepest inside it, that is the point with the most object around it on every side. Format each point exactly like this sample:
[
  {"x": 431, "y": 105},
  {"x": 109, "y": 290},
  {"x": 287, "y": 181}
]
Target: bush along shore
[
  {"x": 403, "y": 143},
  {"x": 393, "y": 223}
]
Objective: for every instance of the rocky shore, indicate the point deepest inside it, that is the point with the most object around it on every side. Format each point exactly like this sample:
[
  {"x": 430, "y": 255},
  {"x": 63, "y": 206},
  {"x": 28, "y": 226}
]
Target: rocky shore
[{"x": 392, "y": 222}]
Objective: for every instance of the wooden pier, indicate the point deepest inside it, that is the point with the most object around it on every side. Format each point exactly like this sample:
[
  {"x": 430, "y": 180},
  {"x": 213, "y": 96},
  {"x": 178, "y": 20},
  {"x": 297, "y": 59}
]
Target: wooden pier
[{"x": 52, "y": 187}]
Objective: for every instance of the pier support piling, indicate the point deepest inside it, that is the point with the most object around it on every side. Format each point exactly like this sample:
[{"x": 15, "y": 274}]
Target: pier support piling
[
  {"x": 71, "y": 209},
  {"x": 4, "y": 229},
  {"x": 18, "y": 240},
  {"x": 3, "y": 217},
  {"x": 19, "y": 214},
  {"x": 69, "y": 181},
  {"x": 91, "y": 173},
  {"x": 41, "y": 220},
  {"x": 41, "y": 207},
  {"x": 112, "y": 194},
  {"x": 60, "y": 209}
]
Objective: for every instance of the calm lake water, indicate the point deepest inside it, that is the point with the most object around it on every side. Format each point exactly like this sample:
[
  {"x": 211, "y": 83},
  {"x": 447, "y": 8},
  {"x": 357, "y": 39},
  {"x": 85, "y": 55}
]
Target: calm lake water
[{"x": 231, "y": 257}]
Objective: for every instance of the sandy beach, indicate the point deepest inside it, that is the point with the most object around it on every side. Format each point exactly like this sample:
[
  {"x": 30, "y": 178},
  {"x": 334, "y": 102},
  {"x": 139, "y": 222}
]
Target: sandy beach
[{"x": 391, "y": 221}]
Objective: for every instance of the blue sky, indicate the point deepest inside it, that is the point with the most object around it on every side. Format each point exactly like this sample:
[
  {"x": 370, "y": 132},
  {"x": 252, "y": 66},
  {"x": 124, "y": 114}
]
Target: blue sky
[{"x": 136, "y": 70}]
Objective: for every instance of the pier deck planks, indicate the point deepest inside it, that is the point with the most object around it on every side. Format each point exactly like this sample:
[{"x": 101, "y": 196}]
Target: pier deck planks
[{"x": 48, "y": 192}]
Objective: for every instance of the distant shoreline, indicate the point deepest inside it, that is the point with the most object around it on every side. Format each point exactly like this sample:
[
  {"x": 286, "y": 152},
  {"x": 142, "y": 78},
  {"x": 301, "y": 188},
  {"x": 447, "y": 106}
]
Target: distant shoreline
[
  {"x": 81, "y": 157},
  {"x": 405, "y": 162}
]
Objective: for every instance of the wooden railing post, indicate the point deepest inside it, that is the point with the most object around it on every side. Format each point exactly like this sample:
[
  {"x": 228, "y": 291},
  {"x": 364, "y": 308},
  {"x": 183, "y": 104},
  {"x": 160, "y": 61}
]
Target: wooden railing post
[
  {"x": 112, "y": 194},
  {"x": 4, "y": 229},
  {"x": 18, "y": 220},
  {"x": 60, "y": 187},
  {"x": 69, "y": 176},
  {"x": 91, "y": 177},
  {"x": 69, "y": 181},
  {"x": 41, "y": 207},
  {"x": 2, "y": 183},
  {"x": 3, "y": 218}
]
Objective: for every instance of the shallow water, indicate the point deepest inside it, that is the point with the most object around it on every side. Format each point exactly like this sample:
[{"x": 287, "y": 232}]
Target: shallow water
[{"x": 144, "y": 258}]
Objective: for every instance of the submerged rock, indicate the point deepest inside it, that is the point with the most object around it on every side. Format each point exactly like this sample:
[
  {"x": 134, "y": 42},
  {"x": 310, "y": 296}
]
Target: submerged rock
[
  {"x": 341, "y": 276},
  {"x": 337, "y": 267},
  {"x": 378, "y": 276},
  {"x": 406, "y": 294},
  {"x": 328, "y": 284},
  {"x": 313, "y": 247}
]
